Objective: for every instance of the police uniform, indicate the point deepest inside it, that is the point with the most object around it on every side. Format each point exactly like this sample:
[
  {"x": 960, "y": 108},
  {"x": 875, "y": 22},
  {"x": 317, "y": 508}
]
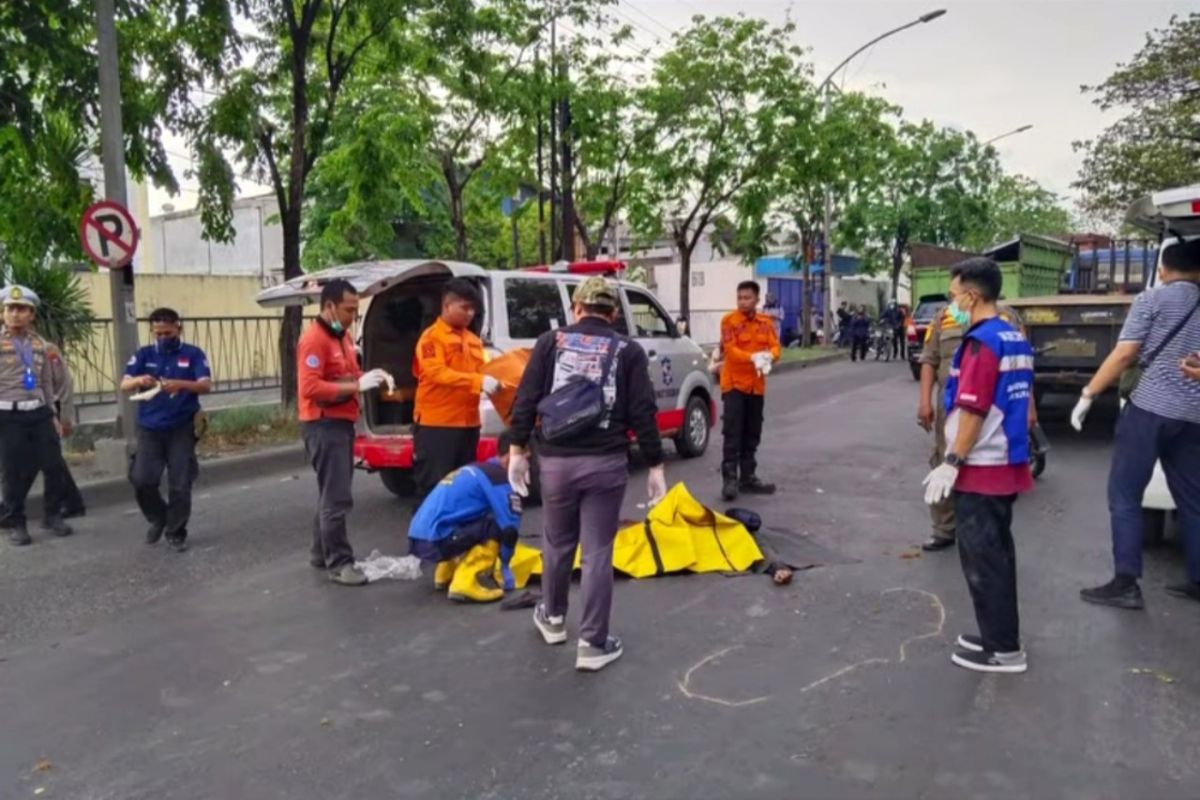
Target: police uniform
[
  {"x": 31, "y": 391},
  {"x": 166, "y": 438},
  {"x": 942, "y": 340}
]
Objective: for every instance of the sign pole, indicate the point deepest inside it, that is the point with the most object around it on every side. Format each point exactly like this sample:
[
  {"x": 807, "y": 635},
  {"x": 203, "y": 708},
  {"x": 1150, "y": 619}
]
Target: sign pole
[{"x": 112, "y": 148}]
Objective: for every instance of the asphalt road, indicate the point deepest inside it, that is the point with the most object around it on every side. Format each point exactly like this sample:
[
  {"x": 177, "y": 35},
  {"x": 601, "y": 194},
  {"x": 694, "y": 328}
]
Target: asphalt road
[{"x": 236, "y": 671}]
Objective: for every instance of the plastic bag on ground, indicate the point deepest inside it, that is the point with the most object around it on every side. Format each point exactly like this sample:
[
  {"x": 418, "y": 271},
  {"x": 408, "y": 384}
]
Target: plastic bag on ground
[{"x": 378, "y": 567}]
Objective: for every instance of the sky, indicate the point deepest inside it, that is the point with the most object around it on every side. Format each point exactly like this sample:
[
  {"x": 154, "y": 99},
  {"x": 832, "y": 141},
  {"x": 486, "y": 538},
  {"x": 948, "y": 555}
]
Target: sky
[{"x": 988, "y": 66}]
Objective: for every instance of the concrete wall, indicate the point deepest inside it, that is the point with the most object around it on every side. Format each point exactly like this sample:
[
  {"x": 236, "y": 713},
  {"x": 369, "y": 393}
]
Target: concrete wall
[
  {"x": 175, "y": 244},
  {"x": 190, "y": 295}
]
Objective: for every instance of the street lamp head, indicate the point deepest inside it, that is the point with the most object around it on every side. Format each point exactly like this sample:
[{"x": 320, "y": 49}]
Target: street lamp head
[
  {"x": 1022, "y": 129},
  {"x": 931, "y": 16}
]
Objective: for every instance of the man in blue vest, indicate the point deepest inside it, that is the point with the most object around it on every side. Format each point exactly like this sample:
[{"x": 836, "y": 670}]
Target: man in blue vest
[
  {"x": 987, "y": 461},
  {"x": 469, "y": 519},
  {"x": 167, "y": 426}
]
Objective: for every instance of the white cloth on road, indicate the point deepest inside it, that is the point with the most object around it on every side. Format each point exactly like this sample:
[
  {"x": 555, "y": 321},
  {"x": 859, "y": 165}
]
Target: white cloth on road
[{"x": 378, "y": 566}]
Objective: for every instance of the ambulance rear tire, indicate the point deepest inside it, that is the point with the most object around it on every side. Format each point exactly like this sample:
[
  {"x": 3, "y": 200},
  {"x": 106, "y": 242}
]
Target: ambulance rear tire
[
  {"x": 398, "y": 481},
  {"x": 692, "y": 440}
]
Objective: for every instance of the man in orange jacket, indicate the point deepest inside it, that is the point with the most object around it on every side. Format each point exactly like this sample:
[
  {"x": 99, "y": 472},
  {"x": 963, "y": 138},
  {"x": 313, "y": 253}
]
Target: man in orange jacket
[
  {"x": 449, "y": 372},
  {"x": 330, "y": 381},
  {"x": 749, "y": 345}
]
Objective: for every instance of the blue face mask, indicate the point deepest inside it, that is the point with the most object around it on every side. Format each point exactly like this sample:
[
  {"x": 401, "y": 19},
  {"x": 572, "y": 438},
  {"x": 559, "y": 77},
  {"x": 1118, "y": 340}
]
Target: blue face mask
[
  {"x": 960, "y": 317},
  {"x": 336, "y": 326}
]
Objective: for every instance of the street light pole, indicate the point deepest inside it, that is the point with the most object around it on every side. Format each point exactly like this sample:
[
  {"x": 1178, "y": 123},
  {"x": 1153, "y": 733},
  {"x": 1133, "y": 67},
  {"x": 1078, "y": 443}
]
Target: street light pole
[
  {"x": 1013, "y": 132},
  {"x": 826, "y": 86}
]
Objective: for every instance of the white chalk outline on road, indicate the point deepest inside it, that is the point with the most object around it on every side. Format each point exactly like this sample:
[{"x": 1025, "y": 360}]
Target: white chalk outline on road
[{"x": 685, "y": 684}]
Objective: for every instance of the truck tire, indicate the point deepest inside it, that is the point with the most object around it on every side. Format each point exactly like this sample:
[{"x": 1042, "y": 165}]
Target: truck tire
[
  {"x": 398, "y": 481},
  {"x": 692, "y": 439},
  {"x": 915, "y": 367}
]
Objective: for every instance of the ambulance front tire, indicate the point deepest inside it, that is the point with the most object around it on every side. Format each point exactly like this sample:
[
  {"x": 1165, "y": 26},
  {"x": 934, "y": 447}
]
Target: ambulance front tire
[
  {"x": 692, "y": 440},
  {"x": 398, "y": 481}
]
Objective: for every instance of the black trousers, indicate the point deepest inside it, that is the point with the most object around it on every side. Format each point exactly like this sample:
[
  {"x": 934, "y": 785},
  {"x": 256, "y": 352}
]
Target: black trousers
[
  {"x": 462, "y": 539},
  {"x": 985, "y": 546},
  {"x": 439, "y": 451},
  {"x": 71, "y": 497},
  {"x": 329, "y": 444},
  {"x": 897, "y": 342},
  {"x": 741, "y": 429},
  {"x": 28, "y": 445},
  {"x": 858, "y": 347},
  {"x": 175, "y": 452}
]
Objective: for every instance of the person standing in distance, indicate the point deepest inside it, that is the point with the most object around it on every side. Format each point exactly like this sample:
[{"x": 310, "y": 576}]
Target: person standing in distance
[
  {"x": 30, "y": 427},
  {"x": 750, "y": 345},
  {"x": 167, "y": 426},
  {"x": 330, "y": 381},
  {"x": 449, "y": 372},
  {"x": 987, "y": 462},
  {"x": 583, "y": 473}
]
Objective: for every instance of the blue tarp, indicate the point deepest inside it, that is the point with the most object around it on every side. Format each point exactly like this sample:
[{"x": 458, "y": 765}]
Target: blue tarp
[{"x": 787, "y": 267}]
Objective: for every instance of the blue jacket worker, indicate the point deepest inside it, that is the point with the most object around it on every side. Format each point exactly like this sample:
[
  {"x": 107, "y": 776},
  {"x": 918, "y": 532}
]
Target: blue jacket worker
[
  {"x": 170, "y": 375},
  {"x": 471, "y": 517}
]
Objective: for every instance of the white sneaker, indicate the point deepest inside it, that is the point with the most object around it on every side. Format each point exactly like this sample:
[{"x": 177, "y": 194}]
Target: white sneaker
[
  {"x": 589, "y": 658},
  {"x": 553, "y": 629}
]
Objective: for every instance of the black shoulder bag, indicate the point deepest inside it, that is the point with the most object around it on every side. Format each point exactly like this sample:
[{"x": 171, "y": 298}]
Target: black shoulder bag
[
  {"x": 576, "y": 407},
  {"x": 1131, "y": 377}
]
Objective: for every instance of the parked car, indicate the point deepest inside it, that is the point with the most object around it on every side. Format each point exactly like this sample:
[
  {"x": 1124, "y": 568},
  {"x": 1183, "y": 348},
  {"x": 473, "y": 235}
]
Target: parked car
[
  {"x": 928, "y": 308},
  {"x": 402, "y": 298}
]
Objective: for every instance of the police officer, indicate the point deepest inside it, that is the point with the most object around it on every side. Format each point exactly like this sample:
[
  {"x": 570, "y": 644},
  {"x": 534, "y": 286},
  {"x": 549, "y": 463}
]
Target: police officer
[
  {"x": 30, "y": 427},
  {"x": 942, "y": 338},
  {"x": 167, "y": 426}
]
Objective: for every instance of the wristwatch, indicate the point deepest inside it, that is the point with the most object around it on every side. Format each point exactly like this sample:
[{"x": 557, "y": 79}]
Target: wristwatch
[{"x": 954, "y": 459}]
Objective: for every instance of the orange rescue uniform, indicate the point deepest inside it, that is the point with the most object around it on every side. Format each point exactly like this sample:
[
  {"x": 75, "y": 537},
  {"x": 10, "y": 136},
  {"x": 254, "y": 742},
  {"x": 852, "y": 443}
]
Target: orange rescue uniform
[
  {"x": 325, "y": 362},
  {"x": 449, "y": 372},
  {"x": 741, "y": 337}
]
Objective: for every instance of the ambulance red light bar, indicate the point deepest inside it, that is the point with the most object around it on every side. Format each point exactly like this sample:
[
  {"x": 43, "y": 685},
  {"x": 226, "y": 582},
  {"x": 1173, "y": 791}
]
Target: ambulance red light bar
[{"x": 582, "y": 268}]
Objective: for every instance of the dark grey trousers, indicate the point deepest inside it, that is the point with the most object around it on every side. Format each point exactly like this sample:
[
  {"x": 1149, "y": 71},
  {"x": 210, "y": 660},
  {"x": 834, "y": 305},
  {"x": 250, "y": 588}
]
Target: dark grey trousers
[
  {"x": 581, "y": 505},
  {"x": 329, "y": 444},
  {"x": 174, "y": 451}
]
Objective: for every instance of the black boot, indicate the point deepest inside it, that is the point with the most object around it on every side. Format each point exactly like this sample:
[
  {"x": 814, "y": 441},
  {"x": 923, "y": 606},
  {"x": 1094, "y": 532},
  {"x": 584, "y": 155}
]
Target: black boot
[
  {"x": 729, "y": 484},
  {"x": 18, "y": 534},
  {"x": 56, "y": 526},
  {"x": 755, "y": 485}
]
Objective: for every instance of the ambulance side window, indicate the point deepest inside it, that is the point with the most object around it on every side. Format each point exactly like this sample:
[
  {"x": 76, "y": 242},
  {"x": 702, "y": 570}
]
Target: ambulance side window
[
  {"x": 648, "y": 318},
  {"x": 534, "y": 307},
  {"x": 619, "y": 326}
]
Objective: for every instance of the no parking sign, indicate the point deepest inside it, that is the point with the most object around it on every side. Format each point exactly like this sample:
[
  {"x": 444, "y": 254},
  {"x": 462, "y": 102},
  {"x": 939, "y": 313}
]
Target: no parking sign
[{"x": 109, "y": 234}]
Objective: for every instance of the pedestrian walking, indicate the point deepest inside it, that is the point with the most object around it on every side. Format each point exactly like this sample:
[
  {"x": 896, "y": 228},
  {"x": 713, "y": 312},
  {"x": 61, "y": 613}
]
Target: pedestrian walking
[
  {"x": 330, "y": 380},
  {"x": 1160, "y": 422},
  {"x": 893, "y": 319},
  {"x": 987, "y": 462},
  {"x": 449, "y": 372},
  {"x": 942, "y": 340},
  {"x": 31, "y": 371},
  {"x": 168, "y": 425},
  {"x": 860, "y": 334},
  {"x": 749, "y": 345},
  {"x": 843, "y": 318},
  {"x": 586, "y": 387}
]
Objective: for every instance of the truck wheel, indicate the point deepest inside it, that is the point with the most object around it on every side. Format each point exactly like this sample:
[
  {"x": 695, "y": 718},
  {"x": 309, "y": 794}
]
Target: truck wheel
[
  {"x": 915, "y": 368},
  {"x": 398, "y": 481},
  {"x": 1154, "y": 526},
  {"x": 692, "y": 440}
]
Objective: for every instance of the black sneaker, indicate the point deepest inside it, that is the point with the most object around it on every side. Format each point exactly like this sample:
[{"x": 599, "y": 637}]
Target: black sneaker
[
  {"x": 553, "y": 629},
  {"x": 982, "y": 661},
  {"x": 589, "y": 658},
  {"x": 74, "y": 511},
  {"x": 935, "y": 543},
  {"x": 970, "y": 642},
  {"x": 755, "y": 485},
  {"x": 1121, "y": 592},
  {"x": 18, "y": 534},
  {"x": 1188, "y": 591},
  {"x": 729, "y": 489},
  {"x": 56, "y": 526},
  {"x": 177, "y": 543},
  {"x": 154, "y": 533}
]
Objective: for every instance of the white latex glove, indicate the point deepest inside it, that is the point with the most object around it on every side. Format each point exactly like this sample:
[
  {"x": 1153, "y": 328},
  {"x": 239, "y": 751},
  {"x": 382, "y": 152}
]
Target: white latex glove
[
  {"x": 656, "y": 484},
  {"x": 518, "y": 472},
  {"x": 389, "y": 380},
  {"x": 491, "y": 384},
  {"x": 372, "y": 380},
  {"x": 939, "y": 483},
  {"x": 1080, "y": 412}
]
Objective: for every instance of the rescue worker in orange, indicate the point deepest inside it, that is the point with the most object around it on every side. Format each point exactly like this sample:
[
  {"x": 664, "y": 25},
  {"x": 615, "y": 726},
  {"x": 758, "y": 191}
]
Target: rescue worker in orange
[
  {"x": 749, "y": 346},
  {"x": 449, "y": 372},
  {"x": 330, "y": 380}
]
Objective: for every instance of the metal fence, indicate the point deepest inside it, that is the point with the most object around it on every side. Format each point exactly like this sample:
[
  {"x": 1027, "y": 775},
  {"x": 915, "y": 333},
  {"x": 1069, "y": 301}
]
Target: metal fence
[{"x": 243, "y": 353}]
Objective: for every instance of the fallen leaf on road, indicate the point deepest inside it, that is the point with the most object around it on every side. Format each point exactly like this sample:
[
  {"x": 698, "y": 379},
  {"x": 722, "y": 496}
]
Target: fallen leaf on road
[
  {"x": 40, "y": 790},
  {"x": 911, "y": 554},
  {"x": 1165, "y": 677},
  {"x": 43, "y": 765}
]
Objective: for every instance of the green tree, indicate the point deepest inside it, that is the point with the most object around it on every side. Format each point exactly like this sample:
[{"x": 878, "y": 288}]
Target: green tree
[
  {"x": 1015, "y": 205},
  {"x": 707, "y": 129},
  {"x": 1156, "y": 145}
]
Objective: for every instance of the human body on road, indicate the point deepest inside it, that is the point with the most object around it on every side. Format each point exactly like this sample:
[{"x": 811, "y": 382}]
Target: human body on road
[
  {"x": 987, "y": 462},
  {"x": 34, "y": 383},
  {"x": 450, "y": 379},
  {"x": 1159, "y": 423},
  {"x": 330, "y": 380},
  {"x": 749, "y": 345},
  {"x": 469, "y": 519},
  {"x": 942, "y": 340},
  {"x": 583, "y": 475},
  {"x": 167, "y": 426}
]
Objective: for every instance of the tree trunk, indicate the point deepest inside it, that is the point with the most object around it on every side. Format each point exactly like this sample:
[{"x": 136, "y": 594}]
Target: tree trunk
[
  {"x": 289, "y": 329},
  {"x": 806, "y": 309},
  {"x": 685, "y": 277},
  {"x": 897, "y": 265}
]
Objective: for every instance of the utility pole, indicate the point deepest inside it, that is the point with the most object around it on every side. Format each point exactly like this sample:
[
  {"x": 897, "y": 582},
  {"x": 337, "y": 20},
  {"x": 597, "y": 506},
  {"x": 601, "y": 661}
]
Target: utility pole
[
  {"x": 541, "y": 175},
  {"x": 112, "y": 149},
  {"x": 827, "y": 241},
  {"x": 554, "y": 250},
  {"x": 568, "y": 169}
]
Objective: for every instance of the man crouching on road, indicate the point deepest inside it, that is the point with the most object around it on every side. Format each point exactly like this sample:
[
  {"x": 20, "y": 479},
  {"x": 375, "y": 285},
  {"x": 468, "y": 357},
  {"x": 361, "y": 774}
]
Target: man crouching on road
[
  {"x": 987, "y": 461},
  {"x": 469, "y": 519},
  {"x": 330, "y": 381}
]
